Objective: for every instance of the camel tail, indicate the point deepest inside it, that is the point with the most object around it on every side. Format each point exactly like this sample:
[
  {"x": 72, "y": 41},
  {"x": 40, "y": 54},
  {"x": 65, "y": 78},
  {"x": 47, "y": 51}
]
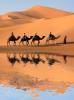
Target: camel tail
[{"x": 7, "y": 42}]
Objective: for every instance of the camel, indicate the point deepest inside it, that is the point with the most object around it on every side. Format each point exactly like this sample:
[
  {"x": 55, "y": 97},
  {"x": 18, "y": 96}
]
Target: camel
[
  {"x": 37, "y": 38},
  {"x": 25, "y": 39},
  {"x": 13, "y": 39},
  {"x": 52, "y": 39}
]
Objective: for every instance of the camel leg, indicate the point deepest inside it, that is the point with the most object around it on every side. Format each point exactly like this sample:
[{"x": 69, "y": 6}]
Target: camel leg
[
  {"x": 14, "y": 43},
  {"x": 32, "y": 43},
  {"x": 7, "y": 43},
  {"x": 20, "y": 42},
  {"x": 47, "y": 42},
  {"x": 54, "y": 42},
  {"x": 27, "y": 43},
  {"x": 38, "y": 42}
]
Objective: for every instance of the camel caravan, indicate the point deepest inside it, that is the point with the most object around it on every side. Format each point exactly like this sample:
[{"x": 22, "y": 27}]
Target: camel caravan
[{"x": 36, "y": 37}]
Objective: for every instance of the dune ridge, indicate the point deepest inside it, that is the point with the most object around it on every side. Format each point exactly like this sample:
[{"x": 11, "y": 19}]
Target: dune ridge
[
  {"x": 37, "y": 19},
  {"x": 28, "y": 16}
]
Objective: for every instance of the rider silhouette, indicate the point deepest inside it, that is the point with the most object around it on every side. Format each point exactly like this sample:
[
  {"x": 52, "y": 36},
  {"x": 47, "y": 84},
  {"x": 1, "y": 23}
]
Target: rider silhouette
[
  {"x": 51, "y": 35},
  {"x": 12, "y": 35},
  {"x": 25, "y": 36},
  {"x": 36, "y": 35},
  {"x": 65, "y": 39}
]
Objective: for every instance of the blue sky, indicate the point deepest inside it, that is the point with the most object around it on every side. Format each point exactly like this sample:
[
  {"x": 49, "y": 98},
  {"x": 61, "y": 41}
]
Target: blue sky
[
  {"x": 7, "y": 93},
  {"x": 16, "y": 5}
]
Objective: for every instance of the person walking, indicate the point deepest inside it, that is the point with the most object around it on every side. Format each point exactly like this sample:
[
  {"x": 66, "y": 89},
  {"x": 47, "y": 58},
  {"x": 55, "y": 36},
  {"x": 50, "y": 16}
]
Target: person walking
[{"x": 65, "y": 40}]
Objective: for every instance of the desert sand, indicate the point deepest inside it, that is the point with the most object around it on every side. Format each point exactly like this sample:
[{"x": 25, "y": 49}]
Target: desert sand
[
  {"x": 37, "y": 19},
  {"x": 58, "y": 49},
  {"x": 30, "y": 22}
]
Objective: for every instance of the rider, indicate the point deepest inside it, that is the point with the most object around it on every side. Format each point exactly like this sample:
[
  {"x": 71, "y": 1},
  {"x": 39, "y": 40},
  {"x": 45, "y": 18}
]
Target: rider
[
  {"x": 25, "y": 36},
  {"x": 51, "y": 35},
  {"x": 36, "y": 35},
  {"x": 12, "y": 35}
]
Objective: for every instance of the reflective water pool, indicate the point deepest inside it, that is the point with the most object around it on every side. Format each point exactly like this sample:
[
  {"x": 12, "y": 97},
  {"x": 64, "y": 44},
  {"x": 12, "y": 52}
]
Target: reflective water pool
[{"x": 36, "y": 76}]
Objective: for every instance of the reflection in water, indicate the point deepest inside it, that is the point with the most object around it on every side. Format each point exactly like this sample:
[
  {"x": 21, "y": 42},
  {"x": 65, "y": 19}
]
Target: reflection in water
[
  {"x": 65, "y": 59},
  {"x": 42, "y": 77},
  {"x": 36, "y": 59},
  {"x": 25, "y": 58},
  {"x": 51, "y": 60},
  {"x": 12, "y": 59}
]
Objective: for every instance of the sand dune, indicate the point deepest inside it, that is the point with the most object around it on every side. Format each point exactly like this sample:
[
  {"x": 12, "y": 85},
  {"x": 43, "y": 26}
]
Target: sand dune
[
  {"x": 27, "y": 16},
  {"x": 63, "y": 26},
  {"x": 45, "y": 12}
]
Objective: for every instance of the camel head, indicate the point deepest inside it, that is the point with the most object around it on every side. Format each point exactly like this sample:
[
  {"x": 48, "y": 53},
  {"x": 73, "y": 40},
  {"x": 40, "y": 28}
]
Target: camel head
[
  {"x": 42, "y": 37},
  {"x": 18, "y": 37},
  {"x": 31, "y": 37},
  {"x": 58, "y": 37}
]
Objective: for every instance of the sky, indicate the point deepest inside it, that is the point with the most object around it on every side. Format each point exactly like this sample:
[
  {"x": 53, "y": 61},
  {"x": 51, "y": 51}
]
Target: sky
[
  {"x": 17, "y": 5},
  {"x": 7, "y": 93}
]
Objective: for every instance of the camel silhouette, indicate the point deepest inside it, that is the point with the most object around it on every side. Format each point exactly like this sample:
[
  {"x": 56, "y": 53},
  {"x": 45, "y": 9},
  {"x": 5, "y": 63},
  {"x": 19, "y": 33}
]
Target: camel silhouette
[
  {"x": 36, "y": 59},
  {"x": 12, "y": 39},
  {"x": 25, "y": 39},
  {"x": 51, "y": 60},
  {"x": 37, "y": 38},
  {"x": 12, "y": 59},
  {"x": 51, "y": 38},
  {"x": 25, "y": 59}
]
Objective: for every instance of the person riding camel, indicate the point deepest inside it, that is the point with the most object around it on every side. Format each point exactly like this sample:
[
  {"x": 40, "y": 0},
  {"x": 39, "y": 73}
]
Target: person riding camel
[
  {"x": 12, "y": 35},
  {"x": 35, "y": 35},
  {"x": 51, "y": 35},
  {"x": 25, "y": 36}
]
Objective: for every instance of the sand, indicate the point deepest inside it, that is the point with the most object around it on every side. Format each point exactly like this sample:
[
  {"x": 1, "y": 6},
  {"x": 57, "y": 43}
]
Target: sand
[
  {"x": 58, "y": 49},
  {"x": 37, "y": 19},
  {"x": 58, "y": 26}
]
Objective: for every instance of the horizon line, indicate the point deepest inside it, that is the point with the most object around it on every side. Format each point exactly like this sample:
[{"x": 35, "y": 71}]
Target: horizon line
[{"x": 36, "y": 6}]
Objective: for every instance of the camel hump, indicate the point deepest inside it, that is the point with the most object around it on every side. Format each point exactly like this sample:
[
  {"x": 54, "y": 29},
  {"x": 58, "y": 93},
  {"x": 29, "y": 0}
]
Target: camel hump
[
  {"x": 12, "y": 37},
  {"x": 36, "y": 37}
]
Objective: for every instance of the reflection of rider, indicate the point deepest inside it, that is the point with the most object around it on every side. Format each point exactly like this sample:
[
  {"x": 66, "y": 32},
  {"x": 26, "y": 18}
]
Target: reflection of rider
[{"x": 13, "y": 59}]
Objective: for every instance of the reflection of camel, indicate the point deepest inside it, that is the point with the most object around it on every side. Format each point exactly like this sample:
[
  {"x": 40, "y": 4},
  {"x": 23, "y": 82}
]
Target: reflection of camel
[
  {"x": 36, "y": 59},
  {"x": 51, "y": 38},
  {"x": 25, "y": 59},
  {"x": 25, "y": 39},
  {"x": 37, "y": 38},
  {"x": 13, "y": 39},
  {"x": 13, "y": 59},
  {"x": 51, "y": 60}
]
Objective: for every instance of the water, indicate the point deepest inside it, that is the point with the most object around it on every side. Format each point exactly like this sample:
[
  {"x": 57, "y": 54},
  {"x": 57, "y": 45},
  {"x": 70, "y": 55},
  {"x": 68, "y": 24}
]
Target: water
[{"x": 36, "y": 77}]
